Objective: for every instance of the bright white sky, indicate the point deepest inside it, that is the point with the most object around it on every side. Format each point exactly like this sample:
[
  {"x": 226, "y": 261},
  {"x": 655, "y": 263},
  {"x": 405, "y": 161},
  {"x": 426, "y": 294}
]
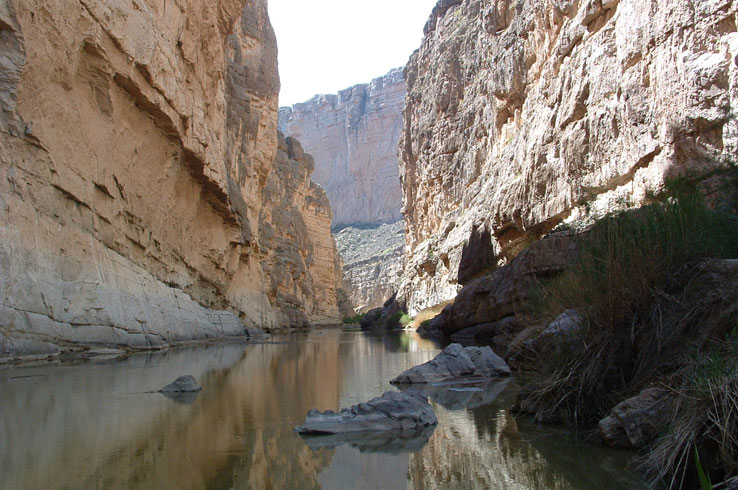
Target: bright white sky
[{"x": 328, "y": 45}]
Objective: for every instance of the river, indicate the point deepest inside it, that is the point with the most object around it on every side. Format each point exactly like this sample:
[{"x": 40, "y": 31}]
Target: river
[{"x": 97, "y": 424}]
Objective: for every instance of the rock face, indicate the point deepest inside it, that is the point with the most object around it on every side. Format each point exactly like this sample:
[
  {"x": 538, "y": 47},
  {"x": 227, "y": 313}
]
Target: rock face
[
  {"x": 455, "y": 362},
  {"x": 353, "y": 137},
  {"x": 391, "y": 411},
  {"x": 490, "y": 304},
  {"x": 300, "y": 260},
  {"x": 523, "y": 113},
  {"x": 137, "y": 151},
  {"x": 372, "y": 262}
]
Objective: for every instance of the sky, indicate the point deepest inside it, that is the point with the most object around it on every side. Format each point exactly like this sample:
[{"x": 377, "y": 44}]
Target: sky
[{"x": 329, "y": 45}]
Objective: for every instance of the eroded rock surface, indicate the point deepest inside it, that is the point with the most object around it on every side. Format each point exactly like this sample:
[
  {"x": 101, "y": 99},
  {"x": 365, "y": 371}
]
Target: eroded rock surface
[
  {"x": 456, "y": 362},
  {"x": 524, "y": 113},
  {"x": 353, "y": 136},
  {"x": 372, "y": 262},
  {"x": 490, "y": 303},
  {"x": 392, "y": 411},
  {"x": 137, "y": 142}
]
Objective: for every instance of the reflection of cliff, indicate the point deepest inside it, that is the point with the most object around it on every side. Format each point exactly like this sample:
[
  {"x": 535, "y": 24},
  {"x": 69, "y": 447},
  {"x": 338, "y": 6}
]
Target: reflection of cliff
[
  {"x": 484, "y": 447},
  {"x": 235, "y": 431}
]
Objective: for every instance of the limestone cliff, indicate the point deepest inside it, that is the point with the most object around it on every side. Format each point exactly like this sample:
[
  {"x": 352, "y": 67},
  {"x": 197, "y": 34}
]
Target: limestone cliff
[
  {"x": 372, "y": 263},
  {"x": 353, "y": 137},
  {"x": 137, "y": 147},
  {"x": 521, "y": 114},
  {"x": 300, "y": 263}
]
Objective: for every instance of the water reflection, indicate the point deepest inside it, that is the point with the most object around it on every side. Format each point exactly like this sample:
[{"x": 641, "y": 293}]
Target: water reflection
[
  {"x": 391, "y": 442},
  {"x": 94, "y": 425}
]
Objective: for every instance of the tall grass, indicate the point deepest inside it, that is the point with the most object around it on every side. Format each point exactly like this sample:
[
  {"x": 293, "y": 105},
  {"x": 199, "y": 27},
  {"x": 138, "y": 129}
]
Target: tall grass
[
  {"x": 619, "y": 287},
  {"x": 705, "y": 421}
]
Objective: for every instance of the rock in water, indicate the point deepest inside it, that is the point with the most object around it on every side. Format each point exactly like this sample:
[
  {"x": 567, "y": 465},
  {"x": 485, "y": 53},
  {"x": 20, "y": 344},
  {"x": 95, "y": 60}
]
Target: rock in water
[
  {"x": 455, "y": 362},
  {"x": 391, "y": 411},
  {"x": 183, "y": 384}
]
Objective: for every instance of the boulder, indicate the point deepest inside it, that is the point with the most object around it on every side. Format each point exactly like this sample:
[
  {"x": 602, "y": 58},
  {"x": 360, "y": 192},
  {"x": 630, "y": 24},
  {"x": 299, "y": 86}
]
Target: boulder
[
  {"x": 183, "y": 384},
  {"x": 392, "y": 411},
  {"x": 504, "y": 293},
  {"x": 456, "y": 362},
  {"x": 636, "y": 422}
]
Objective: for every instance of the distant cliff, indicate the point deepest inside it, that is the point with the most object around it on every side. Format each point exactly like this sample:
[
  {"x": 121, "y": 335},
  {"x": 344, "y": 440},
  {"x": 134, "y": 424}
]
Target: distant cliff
[
  {"x": 372, "y": 262},
  {"x": 522, "y": 114},
  {"x": 353, "y": 137},
  {"x": 145, "y": 196}
]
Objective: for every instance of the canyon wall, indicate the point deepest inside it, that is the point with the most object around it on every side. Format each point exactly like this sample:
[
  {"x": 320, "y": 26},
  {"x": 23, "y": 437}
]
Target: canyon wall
[
  {"x": 523, "y": 114},
  {"x": 372, "y": 263},
  {"x": 353, "y": 137},
  {"x": 139, "y": 157}
]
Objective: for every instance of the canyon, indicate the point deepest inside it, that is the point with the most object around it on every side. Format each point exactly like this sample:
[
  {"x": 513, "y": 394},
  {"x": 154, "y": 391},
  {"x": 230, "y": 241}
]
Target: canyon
[
  {"x": 353, "y": 136},
  {"x": 146, "y": 195},
  {"x": 522, "y": 115}
]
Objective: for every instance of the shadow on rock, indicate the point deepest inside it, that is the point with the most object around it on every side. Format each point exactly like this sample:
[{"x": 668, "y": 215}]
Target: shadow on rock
[
  {"x": 392, "y": 442},
  {"x": 460, "y": 395}
]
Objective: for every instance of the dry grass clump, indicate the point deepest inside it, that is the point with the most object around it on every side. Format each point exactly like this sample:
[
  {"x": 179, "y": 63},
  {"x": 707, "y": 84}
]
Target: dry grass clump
[
  {"x": 637, "y": 327},
  {"x": 705, "y": 422}
]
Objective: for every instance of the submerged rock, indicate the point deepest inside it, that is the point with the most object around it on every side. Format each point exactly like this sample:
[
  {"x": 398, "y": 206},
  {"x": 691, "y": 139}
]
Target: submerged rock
[
  {"x": 183, "y": 384},
  {"x": 391, "y": 411},
  {"x": 456, "y": 362}
]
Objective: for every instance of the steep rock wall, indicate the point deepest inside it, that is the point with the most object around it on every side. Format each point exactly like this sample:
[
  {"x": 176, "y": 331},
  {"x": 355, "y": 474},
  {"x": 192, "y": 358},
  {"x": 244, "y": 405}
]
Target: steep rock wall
[
  {"x": 136, "y": 141},
  {"x": 372, "y": 263},
  {"x": 300, "y": 263},
  {"x": 521, "y": 114},
  {"x": 353, "y": 137}
]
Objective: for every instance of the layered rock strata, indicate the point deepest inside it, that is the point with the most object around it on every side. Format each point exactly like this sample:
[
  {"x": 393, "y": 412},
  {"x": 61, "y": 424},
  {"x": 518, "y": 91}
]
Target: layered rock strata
[
  {"x": 137, "y": 146},
  {"x": 300, "y": 264},
  {"x": 522, "y": 114},
  {"x": 372, "y": 262},
  {"x": 353, "y": 136}
]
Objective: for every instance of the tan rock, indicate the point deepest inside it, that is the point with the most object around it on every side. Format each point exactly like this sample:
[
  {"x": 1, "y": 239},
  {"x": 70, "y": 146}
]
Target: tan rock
[
  {"x": 521, "y": 114},
  {"x": 136, "y": 142},
  {"x": 353, "y": 136}
]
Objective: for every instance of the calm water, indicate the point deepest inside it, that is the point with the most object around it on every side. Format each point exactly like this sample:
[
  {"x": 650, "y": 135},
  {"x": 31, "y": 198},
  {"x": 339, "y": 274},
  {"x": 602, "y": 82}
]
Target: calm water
[{"x": 93, "y": 425}]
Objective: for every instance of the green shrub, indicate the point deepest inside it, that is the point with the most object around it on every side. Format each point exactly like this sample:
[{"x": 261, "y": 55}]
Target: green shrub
[{"x": 353, "y": 320}]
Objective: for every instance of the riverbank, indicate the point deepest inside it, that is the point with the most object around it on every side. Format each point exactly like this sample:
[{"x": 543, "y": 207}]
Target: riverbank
[{"x": 626, "y": 327}]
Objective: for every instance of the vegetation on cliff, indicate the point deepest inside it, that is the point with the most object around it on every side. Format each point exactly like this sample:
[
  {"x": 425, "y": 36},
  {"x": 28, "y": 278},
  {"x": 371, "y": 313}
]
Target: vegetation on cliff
[{"x": 655, "y": 311}]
